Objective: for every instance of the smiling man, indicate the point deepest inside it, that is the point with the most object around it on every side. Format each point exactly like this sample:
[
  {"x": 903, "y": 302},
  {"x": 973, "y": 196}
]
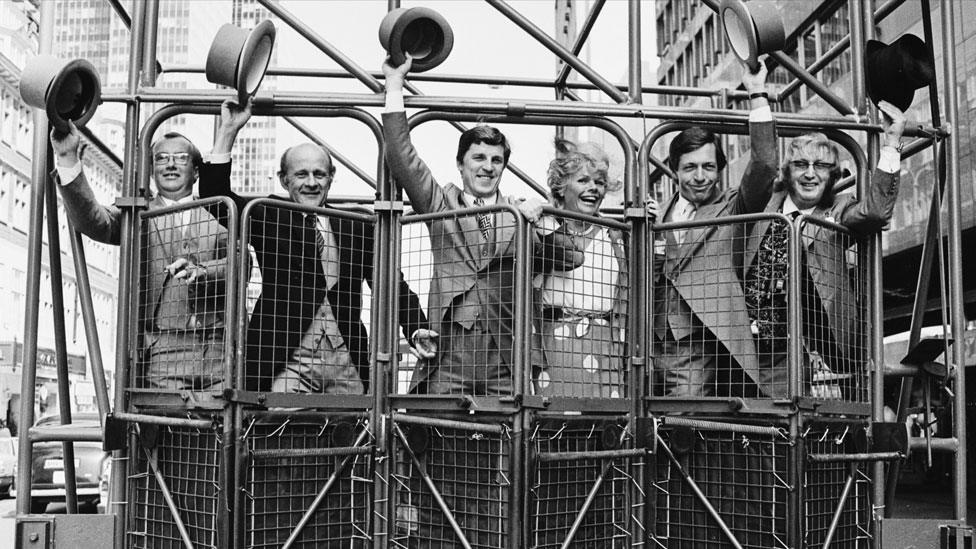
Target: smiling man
[{"x": 702, "y": 340}]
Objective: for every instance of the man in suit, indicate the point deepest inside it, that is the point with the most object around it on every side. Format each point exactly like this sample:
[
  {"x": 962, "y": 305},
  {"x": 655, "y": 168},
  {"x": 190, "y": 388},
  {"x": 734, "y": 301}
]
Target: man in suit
[
  {"x": 832, "y": 325},
  {"x": 181, "y": 291},
  {"x": 700, "y": 323},
  {"x": 306, "y": 334},
  {"x": 472, "y": 292}
]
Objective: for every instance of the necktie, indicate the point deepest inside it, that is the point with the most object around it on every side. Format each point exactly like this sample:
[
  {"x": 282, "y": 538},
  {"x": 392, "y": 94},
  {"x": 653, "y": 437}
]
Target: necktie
[
  {"x": 484, "y": 219},
  {"x": 687, "y": 214}
]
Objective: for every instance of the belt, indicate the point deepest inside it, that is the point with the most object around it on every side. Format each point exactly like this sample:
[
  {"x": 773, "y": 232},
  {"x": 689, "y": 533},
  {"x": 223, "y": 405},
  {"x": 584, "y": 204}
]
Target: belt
[{"x": 558, "y": 313}]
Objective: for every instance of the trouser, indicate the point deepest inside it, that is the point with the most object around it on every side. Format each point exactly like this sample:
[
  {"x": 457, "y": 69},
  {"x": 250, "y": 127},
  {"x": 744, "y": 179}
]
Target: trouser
[
  {"x": 469, "y": 362},
  {"x": 330, "y": 373},
  {"x": 696, "y": 365},
  {"x": 191, "y": 360}
]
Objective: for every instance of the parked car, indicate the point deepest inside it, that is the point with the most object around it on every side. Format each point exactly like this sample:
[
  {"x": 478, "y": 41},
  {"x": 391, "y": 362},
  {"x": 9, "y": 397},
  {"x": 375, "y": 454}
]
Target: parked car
[
  {"x": 8, "y": 464},
  {"x": 47, "y": 467}
]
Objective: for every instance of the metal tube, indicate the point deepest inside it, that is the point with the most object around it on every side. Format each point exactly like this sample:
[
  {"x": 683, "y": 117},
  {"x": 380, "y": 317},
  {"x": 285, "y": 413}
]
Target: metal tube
[
  {"x": 581, "y": 38},
  {"x": 150, "y": 33},
  {"x": 597, "y": 454},
  {"x": 164, "y": 420},
  {"x": 322, "y": 44},
  {"x": 91, "y": 324},
  {"x": 168, "y": 498},
  {"x": 840, "y": 508},
  {"x": 555, "y": 47},
  {"x": 956, "y": 303},
  {"x": 869, "y": 456},
  {"x": 587, "y": 503},
  {"x": 60, "y": 338},
  {"x": 61, "y": 433},
  {"x": 487, "y": 428},
  {"x": 634, "y": 51},
  {"x": 941, "y": 444},
  {"x": 28, "y": 375},
  {"x": 704, "y": 425},
  {"x": 342, "y": 159}
]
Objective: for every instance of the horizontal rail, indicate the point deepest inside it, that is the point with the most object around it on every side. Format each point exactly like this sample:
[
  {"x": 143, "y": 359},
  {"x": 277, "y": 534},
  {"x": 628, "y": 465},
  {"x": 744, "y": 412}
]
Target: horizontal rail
[
  {"x": 703, "y": 425},
  {"x": 285, "y": 453},
  {"x": 869, "y": 456},
  {"x": 164, "y": 420},
  {"x": 939, "y": 444},
  {"x": 597, "y": 454},
  {"x": 448, "y": 424},
  {"x": 65, "y": 433}
]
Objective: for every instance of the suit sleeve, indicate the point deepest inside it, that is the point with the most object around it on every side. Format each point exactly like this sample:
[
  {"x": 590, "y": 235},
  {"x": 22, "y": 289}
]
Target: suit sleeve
[
  {"x": 215, "y": 181},
  {"x": 554, "y": 250},
  {"x": 757, "y": 181},
  {"x": 411, "y": 314},
  {"x": 874, "y": 211},
  {"x": 99, "y": 222},
  {"x": 406, "y": 167}
]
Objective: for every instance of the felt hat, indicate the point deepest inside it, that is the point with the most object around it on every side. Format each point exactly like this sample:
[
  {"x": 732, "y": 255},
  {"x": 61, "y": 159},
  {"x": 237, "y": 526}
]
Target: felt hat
[
  {"x": 753, "y": 28},
  {"x": 65, "y": 89},
  {"x": 239, "y": 58},
  {"x": 894, "y": 71},
  {"x": 421, "y": 32}
]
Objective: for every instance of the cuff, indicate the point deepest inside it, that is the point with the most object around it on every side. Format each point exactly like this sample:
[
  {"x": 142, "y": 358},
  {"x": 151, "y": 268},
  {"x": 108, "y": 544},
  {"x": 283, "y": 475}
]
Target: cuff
[
  {"x": 67, "y": 174},
  {"x": 761, "y": 114},
  {"x": 889, "y": 160},
  {"x": 394, "y": 102},
  {"x": 216, "y": 158}
]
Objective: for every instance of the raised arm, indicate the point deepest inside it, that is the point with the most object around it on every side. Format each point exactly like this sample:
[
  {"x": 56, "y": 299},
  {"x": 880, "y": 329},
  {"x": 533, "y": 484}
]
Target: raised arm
[
  {"x": 215, "y": 172},
  {"x": 756, "y": 187},
  {"x": 406, "y": 167}
]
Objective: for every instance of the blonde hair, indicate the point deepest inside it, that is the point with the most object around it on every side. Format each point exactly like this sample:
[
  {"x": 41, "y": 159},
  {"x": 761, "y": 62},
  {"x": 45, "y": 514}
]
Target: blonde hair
[{"x": 572, "y": 157}]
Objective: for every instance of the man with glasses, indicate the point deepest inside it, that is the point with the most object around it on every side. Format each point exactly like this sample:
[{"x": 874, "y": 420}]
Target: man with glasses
[
  {"x": 832, "y": 327},
  {"x": 702, "y": 342},
  {"x": 182, "y": 261}
]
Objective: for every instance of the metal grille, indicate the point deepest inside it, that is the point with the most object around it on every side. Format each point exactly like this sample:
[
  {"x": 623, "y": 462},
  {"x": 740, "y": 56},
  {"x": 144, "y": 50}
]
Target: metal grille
[
  {"x": 581, "y": 309},
  {"x": 744, "y": 477},
  {"x": 834, "y": 311},
  {"x": 307, "y": 479},
  {"x": 823, "y": 486},
  {"x": 469, "y": 285},
  {"x": 451, "y": 471},
  {"x": 574, "y": 491},
  {"x": 183, "y": 268},
  {"x": 181, "y": 464}
]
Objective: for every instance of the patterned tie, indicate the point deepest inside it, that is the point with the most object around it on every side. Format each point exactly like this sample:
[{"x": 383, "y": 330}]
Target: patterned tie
[
  {"x": 484, "y": 219},
  {"x": 766, "y": 290}
]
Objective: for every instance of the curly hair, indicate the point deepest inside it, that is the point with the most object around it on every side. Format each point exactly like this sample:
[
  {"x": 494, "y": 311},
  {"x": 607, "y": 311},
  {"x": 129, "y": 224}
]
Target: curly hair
[
  {"x": 570, "y": 159},
  {"x": 816, "y": 145}
]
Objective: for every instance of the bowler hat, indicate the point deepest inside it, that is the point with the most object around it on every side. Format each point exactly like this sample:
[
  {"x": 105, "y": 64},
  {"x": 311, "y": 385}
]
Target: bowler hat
[
  {"x": 894, "y": 71},
  {"x": 65, "y": 89},
  {"x": 421, "y": 32},
  {"x": 753, "y": 29},
  {"x": 239, "y": 58}
]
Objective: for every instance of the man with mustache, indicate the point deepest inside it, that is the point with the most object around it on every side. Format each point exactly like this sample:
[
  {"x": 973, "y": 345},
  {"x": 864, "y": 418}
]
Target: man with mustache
[{"x": 701, "y": 328}]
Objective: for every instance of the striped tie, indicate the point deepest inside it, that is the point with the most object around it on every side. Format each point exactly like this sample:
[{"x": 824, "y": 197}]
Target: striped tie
[{"x": 484, "y": 219}]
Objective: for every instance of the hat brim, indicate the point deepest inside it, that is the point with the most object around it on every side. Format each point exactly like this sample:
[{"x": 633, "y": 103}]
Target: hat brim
[
  {"x": 740, "y": 32},
  {"x": 899, "y": 96},
  {"x": 422, "y": 26},
  {"x": 254, "y": 59},
  {"x": 73, "y": 95}
]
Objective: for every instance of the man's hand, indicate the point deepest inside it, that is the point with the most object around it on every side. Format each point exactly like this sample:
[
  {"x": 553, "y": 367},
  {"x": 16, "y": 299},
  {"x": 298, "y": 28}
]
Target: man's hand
[
  {"x": 651, "y": 209},
  {"x": 424, "y": 343},
  {"x": 754, "y": 82},
  {"x": 233, "y": 117},
  {"x": 893, "y": 122},
  {"x": 66, "y": 145},
  {"x": 395, "y": 76},
  {"x": 531, "y": 209},
  {"x": 187, "y": 271}
]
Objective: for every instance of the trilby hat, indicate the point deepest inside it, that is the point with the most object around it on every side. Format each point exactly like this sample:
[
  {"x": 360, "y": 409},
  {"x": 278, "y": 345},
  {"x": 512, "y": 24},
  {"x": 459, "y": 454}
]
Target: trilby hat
[
  {"x": 421, "y": 32},
  {"x": 894, "y": 71},
  {"x": 65, "y": 89},
  {"x": 239, "y": 58},
  {"x": 753, "y": 28}
]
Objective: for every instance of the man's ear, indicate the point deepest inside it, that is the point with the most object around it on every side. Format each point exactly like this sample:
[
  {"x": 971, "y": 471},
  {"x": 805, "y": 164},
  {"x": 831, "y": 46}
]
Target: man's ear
[{"x": 282, "y": 180}]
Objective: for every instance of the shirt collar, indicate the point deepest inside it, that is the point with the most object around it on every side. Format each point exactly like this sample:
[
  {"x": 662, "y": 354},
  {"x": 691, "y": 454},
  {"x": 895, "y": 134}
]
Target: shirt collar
[
  {"x": 789, "y": 207},
  {"x": 680, "y": 204},
  {"x": 489, "y": 200},
  {"x": 184, "y": 200}
]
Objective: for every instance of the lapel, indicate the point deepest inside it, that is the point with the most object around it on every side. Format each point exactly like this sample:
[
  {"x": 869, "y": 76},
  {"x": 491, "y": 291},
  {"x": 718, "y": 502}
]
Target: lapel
[
  {"x": 504, "y": 231},
  {"x": 774, "y": 205},
  {"x": 695, "y": 238}
]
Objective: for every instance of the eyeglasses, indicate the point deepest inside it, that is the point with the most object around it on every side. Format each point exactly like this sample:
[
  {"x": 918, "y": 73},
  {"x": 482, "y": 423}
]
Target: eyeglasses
[
  {"x": 180, "y": 159},
  {"x": 804, "y": 165}
]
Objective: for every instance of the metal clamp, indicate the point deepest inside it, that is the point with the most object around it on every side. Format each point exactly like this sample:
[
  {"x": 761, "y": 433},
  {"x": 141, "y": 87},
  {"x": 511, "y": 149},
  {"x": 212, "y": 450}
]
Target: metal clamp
[
  {"x": 139, "y": 202},
  {"x": 388, "y": 206}
]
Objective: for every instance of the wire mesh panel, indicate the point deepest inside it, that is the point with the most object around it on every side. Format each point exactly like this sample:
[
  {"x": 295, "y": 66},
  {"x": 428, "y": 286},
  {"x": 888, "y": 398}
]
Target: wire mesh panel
[
  {"x": 307, "y": 479},
  {"x": 743, "y": 476},
  {"x": 176, "y": 494},
  {"x": 581, "y": 309},
  {"x": 705, "y": 335},
  {"x": 452, "y": 479},
  {"x": 834, "y": 313},
  {"x": 306, "y": 335},
  {"x": 582, "y": 484},
  {"x": 185, "y": 260},
  {"x": 463, "y": 265},
  {"x": 824, "y": 484}
]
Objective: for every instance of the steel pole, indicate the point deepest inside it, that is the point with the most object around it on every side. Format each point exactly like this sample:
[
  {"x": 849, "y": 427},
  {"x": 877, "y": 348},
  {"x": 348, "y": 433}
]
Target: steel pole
[
  {"x": 634, "y": 51},
  {"x": 91, "y": 326},
  {"x": 581, "y": 38}
]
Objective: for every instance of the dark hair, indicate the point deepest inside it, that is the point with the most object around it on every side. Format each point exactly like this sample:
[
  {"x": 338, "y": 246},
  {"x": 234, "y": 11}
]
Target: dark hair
[
  {"x": 690, "y": 140},
  {"x": 814, "y": 142},
  {"x": 194, "y": 151},
  {"x": 488, "y": 135},
  {"x": 283, "y": 163}
]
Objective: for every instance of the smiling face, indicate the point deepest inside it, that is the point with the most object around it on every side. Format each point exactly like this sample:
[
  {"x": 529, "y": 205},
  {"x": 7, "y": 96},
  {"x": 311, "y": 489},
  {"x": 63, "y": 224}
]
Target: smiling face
[
  {"x": 811, "y": 172},
  {"x": 584, "y": 190},
  {"x": 481, "y": 169},
  {"x": 307, "y": 174},
  {"x": 697, "y": 174},
  {"x": 174, "y": 180}
]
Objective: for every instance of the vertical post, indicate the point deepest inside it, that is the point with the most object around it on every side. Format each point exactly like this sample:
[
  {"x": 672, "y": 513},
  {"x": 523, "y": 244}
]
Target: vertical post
[
  {"x": 954, "y": 202},
  {"x": 150, "y": 32},
  {"x": 60, "y": 336},
  {"x": 634, "y": 37},
  {"x": 34, "y": 246}
]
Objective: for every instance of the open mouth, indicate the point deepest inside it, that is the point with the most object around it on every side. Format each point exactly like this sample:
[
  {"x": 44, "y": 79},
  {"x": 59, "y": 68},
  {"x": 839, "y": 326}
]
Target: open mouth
[{"x": 590, "y": 200}]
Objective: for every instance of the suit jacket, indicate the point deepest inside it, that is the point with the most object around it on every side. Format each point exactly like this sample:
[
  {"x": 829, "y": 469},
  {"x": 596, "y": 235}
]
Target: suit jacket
[
  {"x": 702, "y": 278},
  {"x": 165, "y": 303},
  {"x": 825, "y": 250},
  {"x": 293, "y": 285},
  {"x": 472, "y": 280}
]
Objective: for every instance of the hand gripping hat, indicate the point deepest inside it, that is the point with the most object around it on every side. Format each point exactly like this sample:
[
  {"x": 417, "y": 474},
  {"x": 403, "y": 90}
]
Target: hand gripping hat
[
  {"x": 65, "y": 89},
  {"x": 753, "y": 28},
  {"x": 239, "y": 58},
  {"x": 421, "y": 32},
  {"x": 894, "y": 71}
]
